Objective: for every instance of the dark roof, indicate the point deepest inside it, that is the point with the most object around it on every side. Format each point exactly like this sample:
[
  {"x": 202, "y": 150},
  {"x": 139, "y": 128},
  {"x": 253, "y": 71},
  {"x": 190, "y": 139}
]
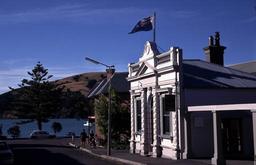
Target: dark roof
[
  {"x": 202, "y": 74},
  {"x": 97, "y": 88},
  {"x": 119, "y": 83},
  {"x": 249, "y": 67}
]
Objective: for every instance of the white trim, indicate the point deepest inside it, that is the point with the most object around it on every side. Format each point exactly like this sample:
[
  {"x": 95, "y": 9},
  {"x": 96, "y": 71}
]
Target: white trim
[
  {"x": 224, "y": 107},
  {"x": 150, "y": 66},
  {"x": 171, "y": 128},
  {"x": 253, "y": 110},
  {"x": 165, "y": 91}
]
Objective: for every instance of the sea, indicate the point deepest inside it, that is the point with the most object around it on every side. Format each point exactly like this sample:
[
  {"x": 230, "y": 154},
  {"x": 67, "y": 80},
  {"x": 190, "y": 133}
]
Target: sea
[{"x": 68, "y": 125}]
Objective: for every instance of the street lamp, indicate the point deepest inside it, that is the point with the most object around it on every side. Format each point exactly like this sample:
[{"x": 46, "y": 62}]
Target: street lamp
[{"x": 110, "y": 70}]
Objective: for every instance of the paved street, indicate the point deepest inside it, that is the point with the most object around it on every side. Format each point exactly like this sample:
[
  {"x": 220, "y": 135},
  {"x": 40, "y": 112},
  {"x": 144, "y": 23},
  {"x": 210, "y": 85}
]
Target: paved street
[
  {"x": 50, "y": 152},
  {"x": 56, "y": 151}
]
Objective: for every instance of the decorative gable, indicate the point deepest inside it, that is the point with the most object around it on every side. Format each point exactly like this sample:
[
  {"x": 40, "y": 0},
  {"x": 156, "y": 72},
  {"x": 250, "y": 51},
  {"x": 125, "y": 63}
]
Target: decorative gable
[
  {"x": 151, "y": 61},
  {"x": 150, "y": 50}
]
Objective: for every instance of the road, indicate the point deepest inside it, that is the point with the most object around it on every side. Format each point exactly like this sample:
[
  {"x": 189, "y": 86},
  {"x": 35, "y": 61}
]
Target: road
[{"x": 51, "y": 152}]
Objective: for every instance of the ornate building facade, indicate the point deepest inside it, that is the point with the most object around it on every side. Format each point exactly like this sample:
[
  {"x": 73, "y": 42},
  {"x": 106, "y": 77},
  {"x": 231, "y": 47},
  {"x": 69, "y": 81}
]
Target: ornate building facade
[
  {"x": 155, "y": 103},
  {"x": 191, "y": 108}
]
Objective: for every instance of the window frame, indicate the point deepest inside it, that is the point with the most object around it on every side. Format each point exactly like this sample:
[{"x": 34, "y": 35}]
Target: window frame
[
  {"x": 169, "y": 114},
  {"x": 137, "y": 117}
]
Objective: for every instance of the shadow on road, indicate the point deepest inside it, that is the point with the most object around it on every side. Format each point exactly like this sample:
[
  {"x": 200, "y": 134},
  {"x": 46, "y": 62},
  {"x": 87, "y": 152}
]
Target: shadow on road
[
  {"x": 37, "y": 145},
  {"x": 33, "y": 156}
]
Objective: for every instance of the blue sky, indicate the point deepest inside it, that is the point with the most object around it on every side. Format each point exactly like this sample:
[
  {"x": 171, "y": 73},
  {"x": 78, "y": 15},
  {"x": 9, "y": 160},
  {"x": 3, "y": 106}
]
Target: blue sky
[{"x": 61, "y": 33}]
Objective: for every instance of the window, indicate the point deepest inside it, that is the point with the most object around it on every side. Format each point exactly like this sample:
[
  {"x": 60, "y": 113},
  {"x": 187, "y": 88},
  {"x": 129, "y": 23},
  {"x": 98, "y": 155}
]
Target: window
[
  {"x": 138, "y": 115},
  {"x": 167, "y": 106}
]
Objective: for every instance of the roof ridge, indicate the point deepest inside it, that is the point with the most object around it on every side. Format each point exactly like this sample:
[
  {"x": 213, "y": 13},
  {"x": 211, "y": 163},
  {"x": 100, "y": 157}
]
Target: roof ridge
[
  {"x": 249, "y": 74},
  {"x": 242, "y": 63}
]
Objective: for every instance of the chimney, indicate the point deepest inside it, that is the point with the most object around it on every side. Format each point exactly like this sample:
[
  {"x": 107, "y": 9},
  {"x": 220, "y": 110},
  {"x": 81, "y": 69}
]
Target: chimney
[{"x": 214, "y": 51}]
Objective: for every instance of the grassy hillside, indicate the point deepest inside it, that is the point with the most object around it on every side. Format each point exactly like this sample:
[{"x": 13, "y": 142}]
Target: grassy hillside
[{"x": 82, "y": 82}]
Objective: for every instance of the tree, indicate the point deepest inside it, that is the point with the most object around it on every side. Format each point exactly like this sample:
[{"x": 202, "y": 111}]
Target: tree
[
  {"x": 91, "y": 83},
  {"x": 101, "y": 113},
  {"x": 14, "y": 131},
  {"x": 37, "y": 99},
  {"x": 57, "y": 127},
  {"x": 120, "y": 117},
  {"x": 5, "y": 105},
  {"x": 74, "y": 105},
  {"x": 1, "y": 127}
]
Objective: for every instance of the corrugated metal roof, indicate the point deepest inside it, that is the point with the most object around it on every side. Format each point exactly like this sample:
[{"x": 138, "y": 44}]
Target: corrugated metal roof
[
  {"x": 119, "y": 83},
  {"x": 249, "y": 67},
  {"x": 202, "y": 74},
  {"x": 97, "y": 87}
]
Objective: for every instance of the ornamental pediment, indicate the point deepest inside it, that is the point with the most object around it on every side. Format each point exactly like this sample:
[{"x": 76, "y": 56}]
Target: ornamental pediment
[{"x": 150, "y": 50}]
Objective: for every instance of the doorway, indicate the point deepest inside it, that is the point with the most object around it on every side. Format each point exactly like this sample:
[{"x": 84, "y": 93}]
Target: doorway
[{"x": 232, "y": 138}]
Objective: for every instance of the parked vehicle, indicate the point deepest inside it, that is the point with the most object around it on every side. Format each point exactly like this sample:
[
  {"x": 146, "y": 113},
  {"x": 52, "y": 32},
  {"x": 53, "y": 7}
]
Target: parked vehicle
[
  {"x": 39, "y": 134},
  {"x": 6, "y": 154}
]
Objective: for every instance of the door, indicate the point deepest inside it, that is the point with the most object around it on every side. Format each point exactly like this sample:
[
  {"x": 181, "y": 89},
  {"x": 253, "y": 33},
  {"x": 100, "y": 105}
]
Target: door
[{"x": 232, "y": 138}]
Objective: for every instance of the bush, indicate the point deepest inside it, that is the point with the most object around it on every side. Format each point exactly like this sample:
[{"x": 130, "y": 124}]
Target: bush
[
  {"x": 120, "y": 145},
  {"x": 14, "y": 131},
  {"x": 57, "y": 127}
]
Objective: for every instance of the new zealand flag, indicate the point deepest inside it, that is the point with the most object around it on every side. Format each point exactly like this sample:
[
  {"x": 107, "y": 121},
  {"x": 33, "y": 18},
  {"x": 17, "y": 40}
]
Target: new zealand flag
[{"x": 146, "y": 24}]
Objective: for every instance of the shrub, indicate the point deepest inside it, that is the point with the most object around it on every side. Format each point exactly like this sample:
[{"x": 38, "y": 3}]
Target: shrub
[
  {"x": 57, "y": 127},
  {"x": 14, "y": 131}
]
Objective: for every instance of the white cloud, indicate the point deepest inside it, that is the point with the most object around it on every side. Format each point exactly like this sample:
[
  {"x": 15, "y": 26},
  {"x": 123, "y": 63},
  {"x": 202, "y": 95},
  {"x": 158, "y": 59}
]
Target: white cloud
[
  {"x": 4, "y": 89},
  {"x": 37, "y": 14},
  {"x": 11, "y": 62},
  {"x": 65, "y": 12},
  {"x": 11, "y": 78},
  {"x": 61, "y": 72},
  {"x": 86, "y": 14},
  {"x": 16, "y": 72}
]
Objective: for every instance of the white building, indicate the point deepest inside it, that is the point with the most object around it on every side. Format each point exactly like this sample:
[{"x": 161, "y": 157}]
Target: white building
[{"x": 191, "y": 108}]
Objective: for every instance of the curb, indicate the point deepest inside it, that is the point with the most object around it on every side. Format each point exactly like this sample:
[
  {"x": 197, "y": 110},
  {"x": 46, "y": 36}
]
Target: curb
[{"x": 111, "y": 158}]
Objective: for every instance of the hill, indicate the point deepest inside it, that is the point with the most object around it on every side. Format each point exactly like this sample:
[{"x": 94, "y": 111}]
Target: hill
[
  {"x": 82, "y": 82},
  {"x": 78, "y": 83}
]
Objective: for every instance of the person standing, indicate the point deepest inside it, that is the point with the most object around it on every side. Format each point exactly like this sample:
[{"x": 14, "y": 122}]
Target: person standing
[
  {"x": 92, "y": 141},
  {"x": 83, "y": 136}
]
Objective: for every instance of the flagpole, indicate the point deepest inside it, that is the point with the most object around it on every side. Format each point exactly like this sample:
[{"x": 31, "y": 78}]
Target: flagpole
[{"x": 154, "y": 28}]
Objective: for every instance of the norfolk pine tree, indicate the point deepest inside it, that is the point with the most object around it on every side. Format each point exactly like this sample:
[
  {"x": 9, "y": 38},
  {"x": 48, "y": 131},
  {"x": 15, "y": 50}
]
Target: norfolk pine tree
[{"x": 37, "y": 99}]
